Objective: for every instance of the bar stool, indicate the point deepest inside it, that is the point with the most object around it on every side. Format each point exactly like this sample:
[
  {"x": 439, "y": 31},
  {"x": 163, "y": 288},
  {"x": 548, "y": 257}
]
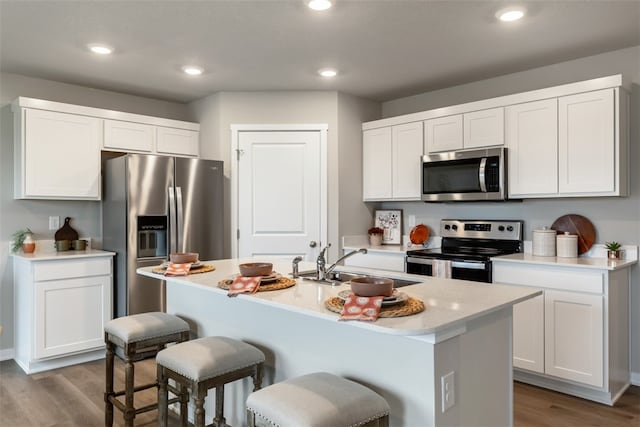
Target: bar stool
[
  {"x": 138, "y": 337},
  {"x": 203, "y": 364},
  {"x": 318, "y": 399}
]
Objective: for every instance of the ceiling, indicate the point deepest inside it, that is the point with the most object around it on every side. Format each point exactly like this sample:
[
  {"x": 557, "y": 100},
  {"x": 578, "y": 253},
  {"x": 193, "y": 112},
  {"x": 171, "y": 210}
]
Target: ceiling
[{"x": 383, "y": 49}]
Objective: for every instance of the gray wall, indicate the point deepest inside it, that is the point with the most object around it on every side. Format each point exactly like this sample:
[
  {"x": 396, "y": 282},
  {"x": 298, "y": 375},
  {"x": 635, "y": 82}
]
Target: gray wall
[
  {"x": 614, "y": 218},
  {"x": 18, "y": 214},
  {"x": 217, "y": 112}
]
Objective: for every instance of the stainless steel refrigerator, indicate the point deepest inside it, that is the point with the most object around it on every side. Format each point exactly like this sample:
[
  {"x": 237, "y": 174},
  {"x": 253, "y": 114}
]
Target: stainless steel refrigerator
[{"x": 153, "y": 206}]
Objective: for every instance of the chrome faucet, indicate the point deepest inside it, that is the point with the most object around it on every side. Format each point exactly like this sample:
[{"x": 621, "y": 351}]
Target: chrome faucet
[
  {"x": 321, "y": 262},
  {"x": 294, "y": 267}
]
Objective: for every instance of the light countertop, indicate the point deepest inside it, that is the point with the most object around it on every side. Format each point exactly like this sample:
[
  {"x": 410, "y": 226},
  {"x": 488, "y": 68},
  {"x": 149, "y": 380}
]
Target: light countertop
[
  {"x": 48, "y": 256},
  {"x": 597, "y": 263},
  {"x": 450, "y": 304}
]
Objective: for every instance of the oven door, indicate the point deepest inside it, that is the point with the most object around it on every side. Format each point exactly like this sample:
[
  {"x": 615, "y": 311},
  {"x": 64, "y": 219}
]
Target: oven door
[{"x": 477, "y": 271}]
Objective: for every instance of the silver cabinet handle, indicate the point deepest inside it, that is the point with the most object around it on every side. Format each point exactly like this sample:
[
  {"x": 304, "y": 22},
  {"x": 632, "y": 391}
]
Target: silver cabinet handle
[{"x": 313, "y": 244}]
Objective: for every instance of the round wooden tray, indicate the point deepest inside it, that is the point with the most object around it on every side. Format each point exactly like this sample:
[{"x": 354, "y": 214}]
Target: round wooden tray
[
  {"x": 407, "y": 308},
  {"x": 204, "y": 268},
  {"x": 281, "y": 283}
]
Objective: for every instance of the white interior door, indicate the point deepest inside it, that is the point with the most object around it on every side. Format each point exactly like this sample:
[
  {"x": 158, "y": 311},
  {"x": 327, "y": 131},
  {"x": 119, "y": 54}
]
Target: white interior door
[{"x": 279, "y": 193}]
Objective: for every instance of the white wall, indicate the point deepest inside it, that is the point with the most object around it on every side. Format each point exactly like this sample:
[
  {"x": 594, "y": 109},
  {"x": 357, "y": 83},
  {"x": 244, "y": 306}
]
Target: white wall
[
  {"x": 217, "y": 112},
  {"x": 614, "y": 218},
  {"x": 18, "y": 214}
]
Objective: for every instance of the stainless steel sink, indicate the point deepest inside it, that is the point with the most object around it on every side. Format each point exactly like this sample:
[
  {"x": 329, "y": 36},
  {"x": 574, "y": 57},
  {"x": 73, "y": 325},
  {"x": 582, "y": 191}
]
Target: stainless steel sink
[{"x": 345, "y": 276}]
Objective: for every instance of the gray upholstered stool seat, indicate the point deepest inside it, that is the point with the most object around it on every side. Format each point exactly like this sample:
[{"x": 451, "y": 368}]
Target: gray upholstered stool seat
[
  {"x": 137, "y": 337},
  {"x": 317, "y": 400},
  {"x": 203, "y": 364}
]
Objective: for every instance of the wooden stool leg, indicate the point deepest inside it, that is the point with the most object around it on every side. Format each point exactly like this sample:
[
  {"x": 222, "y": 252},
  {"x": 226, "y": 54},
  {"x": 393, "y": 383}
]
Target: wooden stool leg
[
  {"x": 199, "y": 400},
  {"x": 384, "y": 421},
  {"x": 163, "y": 397},
  {"x": 219, "y": 420},
  {"x": 184, "y": 400},
  {"x": 108, "y": 388},
  {"x": 129, "y": 410},
  {"x": 257, "y": 377}
]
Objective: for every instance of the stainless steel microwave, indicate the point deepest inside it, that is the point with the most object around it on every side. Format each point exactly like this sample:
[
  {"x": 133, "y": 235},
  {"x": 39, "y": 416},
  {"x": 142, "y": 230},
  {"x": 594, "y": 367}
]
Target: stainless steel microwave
[{"x": 460, "y": 176}]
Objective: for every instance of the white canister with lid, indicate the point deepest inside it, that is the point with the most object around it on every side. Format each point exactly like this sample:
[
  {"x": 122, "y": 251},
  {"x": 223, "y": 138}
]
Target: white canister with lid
[
  {"x": 544, "y": 242},
  {"x": 567, "y": 245}
]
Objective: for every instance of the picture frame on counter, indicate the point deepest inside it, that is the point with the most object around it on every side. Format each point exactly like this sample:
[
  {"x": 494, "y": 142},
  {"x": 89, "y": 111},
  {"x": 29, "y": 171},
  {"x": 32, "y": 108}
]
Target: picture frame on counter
[{"x": 390, "y": 220}]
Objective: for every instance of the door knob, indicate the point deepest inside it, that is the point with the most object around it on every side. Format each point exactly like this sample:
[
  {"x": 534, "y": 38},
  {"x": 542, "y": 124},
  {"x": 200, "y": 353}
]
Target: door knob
[{"x": 313, "y": 244}]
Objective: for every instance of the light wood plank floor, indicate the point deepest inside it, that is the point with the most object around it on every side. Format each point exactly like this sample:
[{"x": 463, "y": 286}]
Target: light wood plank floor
[{"x": 72, "y": 396}]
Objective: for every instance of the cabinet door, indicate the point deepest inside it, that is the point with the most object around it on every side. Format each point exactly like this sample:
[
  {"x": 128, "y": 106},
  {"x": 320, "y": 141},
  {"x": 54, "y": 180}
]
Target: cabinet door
[
  {"x": 587, "y": 142},
  {"x": 181, "y": 142},
  {"x": 528, "y": 334},
  {"x": 70, "y": 315},
  {"x": 128, "y": 136},
  {"x": 443, "y": 134},
  {"x": 574, "y": 343},
  {"x": 484, "y": 128},
  {"x": 407, "y": 141},
  {"x": 376, "y": 164},
  {"x": 532, "y": 142},
  {"x": 61, "y": 156}
]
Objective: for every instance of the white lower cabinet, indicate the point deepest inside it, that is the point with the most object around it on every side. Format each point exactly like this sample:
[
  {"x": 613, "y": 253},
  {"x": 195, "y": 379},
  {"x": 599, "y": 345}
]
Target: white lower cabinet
[
  {"x": 575, "y": 337},
  {"x": 380, "y": 260},
  {"x": 61, "y": 308}
]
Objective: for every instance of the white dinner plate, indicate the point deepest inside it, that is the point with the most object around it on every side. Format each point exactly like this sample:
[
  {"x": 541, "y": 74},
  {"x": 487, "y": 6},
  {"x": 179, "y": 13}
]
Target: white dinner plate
[
  {"x": 194, "y": 265},
  {"x": 396, "y": 298},
  {"x": 265, "y": 279}
]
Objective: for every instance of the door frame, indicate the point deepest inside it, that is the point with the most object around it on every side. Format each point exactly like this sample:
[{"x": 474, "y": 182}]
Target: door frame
[{"x": 321, "y": 128}]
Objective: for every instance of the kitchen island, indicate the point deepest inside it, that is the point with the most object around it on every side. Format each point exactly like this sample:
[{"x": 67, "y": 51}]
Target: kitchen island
[{"x": 463, "y": 336}]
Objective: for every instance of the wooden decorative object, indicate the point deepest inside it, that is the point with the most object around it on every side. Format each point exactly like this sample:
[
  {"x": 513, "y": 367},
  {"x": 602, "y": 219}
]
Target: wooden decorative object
[
  {"x": 66, "y": 232},
  {"x": 281, "y": 283},
  {"x": 204, "y": 268},
  {"x": 579, "y": 225}
]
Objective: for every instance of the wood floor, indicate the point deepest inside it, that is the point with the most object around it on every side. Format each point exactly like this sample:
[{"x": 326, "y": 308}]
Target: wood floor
[{"x": 72, "y": 396}]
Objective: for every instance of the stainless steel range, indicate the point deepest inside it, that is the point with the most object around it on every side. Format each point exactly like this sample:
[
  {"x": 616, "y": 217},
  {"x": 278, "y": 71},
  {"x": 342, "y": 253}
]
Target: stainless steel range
[{"x": 469, "y": 245}]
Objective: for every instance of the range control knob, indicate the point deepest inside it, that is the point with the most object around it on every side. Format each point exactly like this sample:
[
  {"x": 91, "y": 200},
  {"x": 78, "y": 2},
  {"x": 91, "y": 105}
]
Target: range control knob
[
  {"x": 510, "y": 228},
  {"x": 447, "y": 227},
  {"x": 501, "y": 228},
  {"x": 455, "y": 227}
]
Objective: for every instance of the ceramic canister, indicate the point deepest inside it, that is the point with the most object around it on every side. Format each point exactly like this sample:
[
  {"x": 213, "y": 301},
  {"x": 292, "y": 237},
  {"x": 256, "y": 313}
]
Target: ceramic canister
[
  {"x": 567, "y": 245},
  {"x": 544, "y": 242}
]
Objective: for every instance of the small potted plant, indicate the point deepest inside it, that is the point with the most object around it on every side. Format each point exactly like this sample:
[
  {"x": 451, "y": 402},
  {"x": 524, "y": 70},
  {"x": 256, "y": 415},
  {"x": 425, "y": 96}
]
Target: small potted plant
[
  {"x": 375, "y": 236},
  {"x": 613, "y": 250},
  {"x": 23, "y": 239}
]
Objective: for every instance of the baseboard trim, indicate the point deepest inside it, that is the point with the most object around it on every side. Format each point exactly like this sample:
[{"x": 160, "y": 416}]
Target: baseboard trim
[
  {"x": 7, "y": 354},
  {"x": 635, "y": 378}
]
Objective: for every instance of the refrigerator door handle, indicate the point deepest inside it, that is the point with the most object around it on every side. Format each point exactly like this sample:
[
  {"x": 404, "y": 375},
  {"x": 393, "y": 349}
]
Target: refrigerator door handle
[
  {"x": 180, "y": 229},
  {"x": 172, "y": 220}
]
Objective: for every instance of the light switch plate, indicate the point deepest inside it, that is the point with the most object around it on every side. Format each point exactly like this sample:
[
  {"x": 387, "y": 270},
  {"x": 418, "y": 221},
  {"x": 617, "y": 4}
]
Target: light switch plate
[{"x": 54, "y": 222}]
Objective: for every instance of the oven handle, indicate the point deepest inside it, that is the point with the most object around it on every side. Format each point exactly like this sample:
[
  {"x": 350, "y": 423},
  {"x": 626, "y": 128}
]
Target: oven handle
[
  {"x": 481, "y": 175},
  {"x": 469, "y": 265}
]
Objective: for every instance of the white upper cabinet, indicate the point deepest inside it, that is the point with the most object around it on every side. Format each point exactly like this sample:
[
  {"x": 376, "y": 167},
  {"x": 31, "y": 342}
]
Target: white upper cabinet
[
  {"x": 443, "y": 134},
  {"x": 376, "y": 164},
  {"x": 406, "y": 160},
  {"x": 532, "y": 142},
  {"x": 391, "y": 162},
  {"x": 180, "y": 142},
  {"x": 128, "y": 136},
  {"x": 587, "y": 143},
  {"x": 57, "y": 156},
  {"x": 484, "y": 128}
]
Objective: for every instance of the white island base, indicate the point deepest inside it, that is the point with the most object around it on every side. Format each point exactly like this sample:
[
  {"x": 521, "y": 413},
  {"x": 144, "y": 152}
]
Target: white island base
[{"x": 406, "y": 367}]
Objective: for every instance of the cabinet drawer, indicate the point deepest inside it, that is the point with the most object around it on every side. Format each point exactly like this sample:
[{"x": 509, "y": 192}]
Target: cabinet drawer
[
  {"x": 552, "y": 278},
  {"x": 54, "y": 270}
]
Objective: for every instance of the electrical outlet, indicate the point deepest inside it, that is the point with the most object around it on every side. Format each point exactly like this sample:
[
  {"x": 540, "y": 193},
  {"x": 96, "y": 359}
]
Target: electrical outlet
[
  {"x": 448, "y": 391},
  {"x": 54, "y": 222},
  {"x": 412, "y": 220}
]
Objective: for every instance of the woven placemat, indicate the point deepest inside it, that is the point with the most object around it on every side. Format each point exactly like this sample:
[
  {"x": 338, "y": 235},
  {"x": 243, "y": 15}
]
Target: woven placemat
[
  {"x": 406, "y": 308},
  {"x": 205, "y": 268},
  {"x": 281, "y": 283}
]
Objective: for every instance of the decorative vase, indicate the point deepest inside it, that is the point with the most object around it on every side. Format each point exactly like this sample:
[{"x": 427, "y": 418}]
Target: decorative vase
[
  {"x": 28, "y": 245},
  {"x": 617, "y": 254},
  {"x": 375, "y": 239}
]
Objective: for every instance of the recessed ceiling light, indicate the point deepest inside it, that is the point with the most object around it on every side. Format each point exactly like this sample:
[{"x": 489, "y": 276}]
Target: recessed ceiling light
[
  {"x": 100, "y": 49},
  {"x": 319, "y": 4},
  {"x": 193, "y": 70},
  {"x": 510, "y": 14},
  {"x": 328, "y": 72}
]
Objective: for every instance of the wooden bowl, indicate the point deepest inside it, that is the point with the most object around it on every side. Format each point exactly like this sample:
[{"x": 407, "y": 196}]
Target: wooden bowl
[
  {"x": 184, "y": 257},
  {"x": 372, "y": 286},
  {"x": 251, "y": 269}
]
